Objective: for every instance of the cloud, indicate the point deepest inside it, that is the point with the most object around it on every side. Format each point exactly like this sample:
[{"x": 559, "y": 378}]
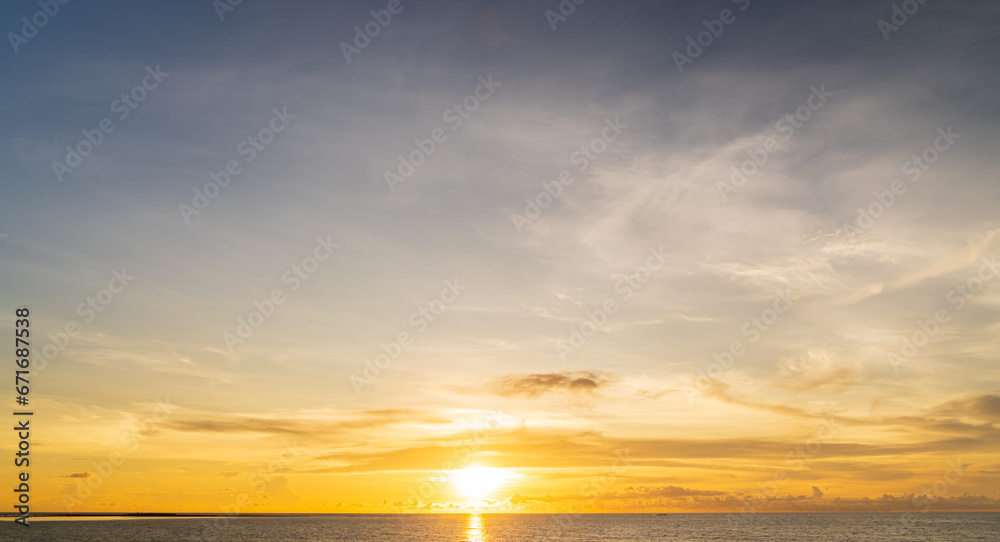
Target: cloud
[
  {"x": 933, "y": 421},
  {"x": 817, "y": 492},
  {"x": 720, "y": 391},
  {"x": 818, "y": 371},
  {"x": 802, "y": 275},
  {"x": 532, "y": 448},
  {"x": 667, "y": 491},
  {"x": 970, "y": 253},
  {"x": 984, "y": 407},
  {"x": 638, "y": 492},
  {"x": 535, "y": 385},
  {"x": 85, "y": 474},
  {"x": 366, "y": 419},
  {"x": 654, "y": 395},
  {"x": 517, "y": 498}
]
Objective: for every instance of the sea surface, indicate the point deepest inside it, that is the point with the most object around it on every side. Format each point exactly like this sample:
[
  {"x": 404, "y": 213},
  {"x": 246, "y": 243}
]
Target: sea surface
[{"x": 901, "y": 527}]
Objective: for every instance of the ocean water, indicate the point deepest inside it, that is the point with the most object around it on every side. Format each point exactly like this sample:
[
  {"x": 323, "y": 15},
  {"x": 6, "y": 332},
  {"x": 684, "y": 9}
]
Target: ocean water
[{"x": 928, "y": 527}]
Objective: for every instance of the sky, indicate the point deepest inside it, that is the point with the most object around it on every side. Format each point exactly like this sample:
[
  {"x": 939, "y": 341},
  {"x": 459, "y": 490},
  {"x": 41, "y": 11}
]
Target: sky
[{"x": 505, "y": 256}]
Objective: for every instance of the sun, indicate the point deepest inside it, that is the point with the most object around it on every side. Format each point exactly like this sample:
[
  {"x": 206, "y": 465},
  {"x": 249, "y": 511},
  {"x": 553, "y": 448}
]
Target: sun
[{"x": 478, "y": 482}]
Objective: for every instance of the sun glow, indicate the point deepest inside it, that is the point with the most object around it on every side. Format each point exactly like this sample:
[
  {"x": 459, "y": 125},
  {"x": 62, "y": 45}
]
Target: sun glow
[{"x": 478, "y": 482}]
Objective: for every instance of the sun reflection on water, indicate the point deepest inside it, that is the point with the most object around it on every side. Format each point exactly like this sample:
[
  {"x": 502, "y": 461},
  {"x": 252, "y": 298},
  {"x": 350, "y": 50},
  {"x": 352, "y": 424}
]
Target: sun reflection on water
[{"x": 474, "y": 532}]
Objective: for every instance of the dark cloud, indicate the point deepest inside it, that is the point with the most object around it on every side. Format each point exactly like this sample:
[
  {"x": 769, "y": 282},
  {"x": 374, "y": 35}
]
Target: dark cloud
[
  {"x": 534, "y": 385},
  {"x": 85, "y": 474}
]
